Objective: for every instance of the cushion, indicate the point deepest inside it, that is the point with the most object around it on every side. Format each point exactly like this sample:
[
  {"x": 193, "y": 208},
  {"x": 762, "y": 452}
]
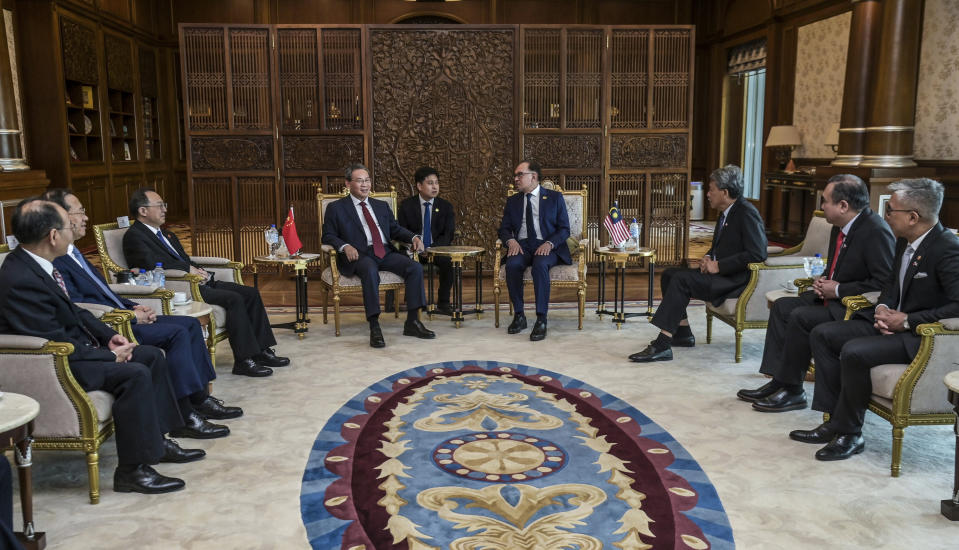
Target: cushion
[
  {"x": 386, "y": 278},
  {"x": 113, "y": 244},
  {"x": 727, "y": 308},
  {"x": 559, "y": 272},
  {"x": 885, "y": 377}
]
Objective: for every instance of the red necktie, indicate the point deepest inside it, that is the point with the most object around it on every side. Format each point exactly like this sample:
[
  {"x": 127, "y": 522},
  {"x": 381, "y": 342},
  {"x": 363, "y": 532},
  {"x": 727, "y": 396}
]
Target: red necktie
[
  {"x": 378, "y": 249},
  {"x": 59, "y": 279},
  {"x": 835, "y": 255}
]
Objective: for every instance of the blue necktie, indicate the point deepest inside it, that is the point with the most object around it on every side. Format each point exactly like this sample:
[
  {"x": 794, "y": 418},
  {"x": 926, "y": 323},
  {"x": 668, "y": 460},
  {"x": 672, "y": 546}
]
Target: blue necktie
[
  {"x": 103, "y": 287},
  {"x": 168, "y": 247},
  {"x": 530, "y": 228},
  {"x": 427, "y": 226}
]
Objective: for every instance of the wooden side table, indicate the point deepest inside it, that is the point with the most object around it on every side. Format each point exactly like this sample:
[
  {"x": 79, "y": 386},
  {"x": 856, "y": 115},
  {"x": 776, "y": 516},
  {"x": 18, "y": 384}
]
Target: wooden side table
[
  {"x": 619, "y": 259},
  {"x": 16, "y": 426},
  {"x": 950, "y": 507},
  {"x": 299, "y": 264},
  {"x": 456, "y": 254}
]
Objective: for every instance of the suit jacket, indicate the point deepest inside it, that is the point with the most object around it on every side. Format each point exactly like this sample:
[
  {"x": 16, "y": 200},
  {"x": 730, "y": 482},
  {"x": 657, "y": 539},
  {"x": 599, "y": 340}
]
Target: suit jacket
[
  {"x": 931, "y": 285},
  {"x": 553, "y": 220},
  {"x": 865, "y": 257},
  {"x": 741, "y": 242},
  {"x": 32, "y": 304},
  {"x": 442, "y": 219},
  {"x": 82, "y": 288},
  {"x": 342, "y": 226},
  {"x": 143, "y": 249}
]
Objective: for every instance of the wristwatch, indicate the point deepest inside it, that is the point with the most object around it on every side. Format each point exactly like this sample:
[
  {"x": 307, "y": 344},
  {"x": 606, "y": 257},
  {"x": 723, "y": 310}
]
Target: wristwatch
[{"x": 905, "y": 324}]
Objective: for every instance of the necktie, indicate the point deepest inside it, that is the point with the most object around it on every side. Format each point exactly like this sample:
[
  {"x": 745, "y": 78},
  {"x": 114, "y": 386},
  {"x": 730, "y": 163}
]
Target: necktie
[
  {"x": 530, "y": 226},
  {"x": 378, "y": 249},
  {"x": 168, "y": 247},
  {"x": 906, "y": 258},
  {"x": 719, "y": 231},
  {"x": 835, "y": 255},
  {"x": 59, "y": 279},
  {"x": 103, "y": 287},
  {"x": 427, "y": 226}
]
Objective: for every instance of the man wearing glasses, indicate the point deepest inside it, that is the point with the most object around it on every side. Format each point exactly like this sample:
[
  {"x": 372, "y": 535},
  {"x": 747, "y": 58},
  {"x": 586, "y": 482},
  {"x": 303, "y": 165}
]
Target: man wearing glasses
[
  {"x": 923, "y": 287},
  {"x": 535, "y": 227},
  {"x": 146, "y": 245}
]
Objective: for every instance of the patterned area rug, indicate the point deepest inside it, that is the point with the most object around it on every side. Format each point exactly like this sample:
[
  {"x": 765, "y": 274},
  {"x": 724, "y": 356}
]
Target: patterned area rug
[{"x": 500, "y": 456}]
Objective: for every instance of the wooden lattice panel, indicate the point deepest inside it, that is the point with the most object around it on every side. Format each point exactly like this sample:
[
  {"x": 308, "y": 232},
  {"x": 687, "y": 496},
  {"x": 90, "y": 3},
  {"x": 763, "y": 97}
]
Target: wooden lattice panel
[
  {"x": 205, "y": 68},
  {"x": 257, "y": 207},
  {"x": 213, "y": 201},
  {"x": 629, "y": 75},
  {"x": 541, "y": 72},
  {"x": 584, "y": 78},
  {"x": 595, "y": 211},
  {"x": 342, "y": 79},
  {"x": 301, "y": 195},
  {"x": 250, "y": 78},
  {"x": 666, "y": 228},
  {"x": 298, "y": 73},
  {"x": 671, "y": 69}
]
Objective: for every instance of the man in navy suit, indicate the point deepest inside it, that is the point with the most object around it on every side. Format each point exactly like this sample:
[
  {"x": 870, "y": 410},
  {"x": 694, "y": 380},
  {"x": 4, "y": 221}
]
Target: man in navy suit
[
  {"x": 535, "y": 227},
  {"x": 739, "y": 240},
  {"x": 923, "y": 287},
  {"x": 178, "y": 335},
  {"x": 360, "y": 228}
]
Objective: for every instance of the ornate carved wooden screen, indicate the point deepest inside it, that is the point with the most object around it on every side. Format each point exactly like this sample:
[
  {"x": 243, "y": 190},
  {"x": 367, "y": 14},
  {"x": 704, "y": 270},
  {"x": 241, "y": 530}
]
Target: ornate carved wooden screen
[{"x": 444, "y": 98}]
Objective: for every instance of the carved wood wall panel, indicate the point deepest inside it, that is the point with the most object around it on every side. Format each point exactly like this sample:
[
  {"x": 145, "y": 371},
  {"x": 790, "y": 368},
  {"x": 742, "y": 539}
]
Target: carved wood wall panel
[
  {"x": 119, "y": 56},
  {"x": 205, "y": 68},
  {"x": 629, "y": 151},
  {"x": 148, "y": 72},
  {"x": 671, "y": 78},
  {"x": 321, "y": 153},
  {"x": 233, "y": 153},
  {"x": 250, "y": 78},
  {"x": 213, "y": 201},
  {"x": 444, "y": 98},
  {"x": 565, "y": 151},
  {"x": 256, "y": 203},
  {"x": 79, "y": 45}
]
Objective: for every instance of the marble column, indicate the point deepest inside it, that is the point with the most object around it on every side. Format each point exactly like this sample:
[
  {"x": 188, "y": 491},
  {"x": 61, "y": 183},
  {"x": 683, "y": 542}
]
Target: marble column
[{"x": 11, "y": 146}]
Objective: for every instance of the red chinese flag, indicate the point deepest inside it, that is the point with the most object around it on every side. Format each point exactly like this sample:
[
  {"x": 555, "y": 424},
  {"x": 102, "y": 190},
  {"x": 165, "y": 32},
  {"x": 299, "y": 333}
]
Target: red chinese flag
[{"x": 293, "y": 243}]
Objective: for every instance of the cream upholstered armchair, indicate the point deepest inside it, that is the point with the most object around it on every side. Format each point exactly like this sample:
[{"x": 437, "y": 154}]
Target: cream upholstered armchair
[
  {"x": 560, "y": 276},
  {"x": 912, "y": 394},
  {"x": 109, "y": 238},
  {"x": 749, "y": 310},
  {"x": 337, "y": 284}
]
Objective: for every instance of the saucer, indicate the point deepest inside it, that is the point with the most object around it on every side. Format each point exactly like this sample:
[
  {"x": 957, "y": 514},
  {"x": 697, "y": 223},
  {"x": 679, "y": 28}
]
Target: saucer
[
  {"x": 789, "y": 289},
  {"x": 184, "y": 303}
]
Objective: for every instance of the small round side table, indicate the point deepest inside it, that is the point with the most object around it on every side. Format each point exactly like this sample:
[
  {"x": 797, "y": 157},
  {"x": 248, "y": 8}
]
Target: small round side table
[
  {"x": 299, "y": 264},
  {"x": 456, "y": 254},
  {"x": 619, "y": 259},
  {"x": 16, "y": 426},
  {"x": 950, "y": 507}
]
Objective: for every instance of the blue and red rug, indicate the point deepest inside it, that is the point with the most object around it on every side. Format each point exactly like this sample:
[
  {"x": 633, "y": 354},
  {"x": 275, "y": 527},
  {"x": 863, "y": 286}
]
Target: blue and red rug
[{"x": 489, "y": 455}]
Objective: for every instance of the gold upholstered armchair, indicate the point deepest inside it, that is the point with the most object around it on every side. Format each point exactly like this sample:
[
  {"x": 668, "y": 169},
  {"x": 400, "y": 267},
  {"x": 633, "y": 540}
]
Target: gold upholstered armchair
[
  {"x": 750, "y": 310},
  {"x": 912, "y": 394},
  {"x": 560, "y": 276},
  {"x": 335, "y": 283}
]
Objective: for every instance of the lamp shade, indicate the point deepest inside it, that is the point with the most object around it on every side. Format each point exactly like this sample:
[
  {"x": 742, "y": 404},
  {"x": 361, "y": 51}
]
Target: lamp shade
[
  {"x": 783, "y": 136},
  {"x": 832, "y": 137}
]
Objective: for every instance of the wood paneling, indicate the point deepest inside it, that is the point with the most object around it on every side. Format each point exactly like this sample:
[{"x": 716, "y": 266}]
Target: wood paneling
[
  {"x": 315, "y": 12},
  {"x": 218, "y": 11}
]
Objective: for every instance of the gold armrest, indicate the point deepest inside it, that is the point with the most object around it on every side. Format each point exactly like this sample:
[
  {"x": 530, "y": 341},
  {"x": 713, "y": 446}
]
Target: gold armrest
[
  {"x": 855, "y": 303},
  {"x": 803, "y": 284},
  {"x": 121, "y": 320}
]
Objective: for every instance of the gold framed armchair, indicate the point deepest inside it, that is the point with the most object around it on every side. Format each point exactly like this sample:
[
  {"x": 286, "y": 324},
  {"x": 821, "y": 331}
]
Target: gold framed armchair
[
  {"x": 912, "y": 394},
  {"x": 749, "y": 310},
  {"x": 335, "y": 283},
  {"x": 560, "y": 276}
]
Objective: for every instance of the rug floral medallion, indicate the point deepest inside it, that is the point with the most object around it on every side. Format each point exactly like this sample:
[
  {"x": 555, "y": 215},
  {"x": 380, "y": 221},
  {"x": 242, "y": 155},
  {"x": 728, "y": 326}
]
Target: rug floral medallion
[{"x": 471, "y": 455}]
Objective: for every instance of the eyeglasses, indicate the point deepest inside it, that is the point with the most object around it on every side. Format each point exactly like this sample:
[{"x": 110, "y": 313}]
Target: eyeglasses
[
  {"x": 162, "y": 205},
  {"x": 889, "y": 210},
  {"x": 71, "y": 227},
  {"x": 519, "y": 175},
  {"x": 364, "y": 180},
  {"x": 81, "y": 212}
]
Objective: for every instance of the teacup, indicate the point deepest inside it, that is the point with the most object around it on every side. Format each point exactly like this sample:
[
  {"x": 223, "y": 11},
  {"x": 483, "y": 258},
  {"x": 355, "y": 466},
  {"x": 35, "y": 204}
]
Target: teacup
[
  {"x": 789, "y": 286},
  {"x": 179, "y": 297}
]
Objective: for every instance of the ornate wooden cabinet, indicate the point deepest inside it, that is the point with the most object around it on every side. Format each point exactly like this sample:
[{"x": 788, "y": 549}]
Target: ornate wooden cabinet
[{"x": 276, "y": 112}]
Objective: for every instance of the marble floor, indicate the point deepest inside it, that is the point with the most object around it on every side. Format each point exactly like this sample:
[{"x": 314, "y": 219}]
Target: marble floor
[{"x": 245, "y": 494}]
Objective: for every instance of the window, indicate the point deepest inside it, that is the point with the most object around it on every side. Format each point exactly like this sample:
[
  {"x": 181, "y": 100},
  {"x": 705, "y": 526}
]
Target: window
[
  {"x": 744, "y": 93},
  {"x": 752, "y": 148}
]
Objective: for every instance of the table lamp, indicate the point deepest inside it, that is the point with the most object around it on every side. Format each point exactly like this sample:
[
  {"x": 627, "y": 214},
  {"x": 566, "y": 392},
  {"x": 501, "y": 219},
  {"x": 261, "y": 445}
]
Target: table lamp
[{"x": 783, "y": 139}]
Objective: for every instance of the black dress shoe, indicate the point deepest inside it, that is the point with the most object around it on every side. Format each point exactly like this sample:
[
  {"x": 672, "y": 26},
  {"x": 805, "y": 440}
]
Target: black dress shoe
[
  {"x": 197, "y": 427},
  {"x": 761, "y": 392},
  {"x": 539, "y": 331},
  {"x": 518, "y": 325},
  {"x": 443, "y": 309},
  {"x": 269, "y": 359},
  {"x": 249, "y": 367},
  {"x": 144, "y": 479},
  {"x": 376, "y": 338},
  {"x": 653, "y": 353},
  {"x": 172, "y": 452},
  {"x": 415, "y": 327},
  {"x": 684, "y": 341},
  {"x": 781, "y": 401},
  {"x": 213, "y": 408},
  {"x": 842, "y": 447},
  {"x": 819, "y": 435}
]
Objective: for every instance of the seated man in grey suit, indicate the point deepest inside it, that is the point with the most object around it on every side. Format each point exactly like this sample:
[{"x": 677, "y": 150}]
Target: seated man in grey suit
[
  {"x": 860, "y": 257},
  {"x": 360, "y": 228}
]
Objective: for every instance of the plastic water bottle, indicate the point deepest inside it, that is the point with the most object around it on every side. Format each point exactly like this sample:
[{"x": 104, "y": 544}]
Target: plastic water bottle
[
  {"x": 272, "y": 239},
  {"x": 159, "y": 276},
  {"x": 817, "y": 266},
  {"x": 634, "y": 235},
  {"x": 142, "y": 278},
  {"x": 132, "y": 279}
]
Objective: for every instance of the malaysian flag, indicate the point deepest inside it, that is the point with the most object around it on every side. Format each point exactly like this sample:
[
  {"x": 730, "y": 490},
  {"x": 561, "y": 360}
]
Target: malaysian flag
[{"x": 614, "y": 223}]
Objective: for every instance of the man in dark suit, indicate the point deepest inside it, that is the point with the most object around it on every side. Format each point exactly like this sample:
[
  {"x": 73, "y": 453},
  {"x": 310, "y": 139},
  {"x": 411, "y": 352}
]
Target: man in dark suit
[
  {"x": 427, "y": 214},
  {"x": 535, "y": 227},
  {"x": 860, "y": 260},
  {"x": 178, "y": 335},
  {"x": 739, "y": 240},
  {"x": 922, "y": 288},
  {"x": 146, "y": 245},
  {"x": 34, "y": 302},
  {"x": 360, "y": 228}
]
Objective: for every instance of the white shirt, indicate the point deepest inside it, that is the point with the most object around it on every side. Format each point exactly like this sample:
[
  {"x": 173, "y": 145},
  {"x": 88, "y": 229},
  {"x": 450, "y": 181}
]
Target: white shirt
[
  {"x": 366, "y": 228},
  {"x": 534, "y": 201},
  {"x": 915, "y": 246},
  {"x": 162, "y": 236},
  {"x": 45, "y": 264}
]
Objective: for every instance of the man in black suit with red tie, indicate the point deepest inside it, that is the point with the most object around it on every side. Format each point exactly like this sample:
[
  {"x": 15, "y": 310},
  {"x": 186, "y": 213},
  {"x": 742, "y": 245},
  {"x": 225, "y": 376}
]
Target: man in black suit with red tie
[
  {"x": 360, "y": 228},
  {"x": 739, "y": 240},
  {"x": 34, "y": 302},
  {"x": 251, "y": 337},
  {"x": 860, "y": 259},
  {"x": 923, "y": 288},
  {"x": 425, "y": 213}
]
